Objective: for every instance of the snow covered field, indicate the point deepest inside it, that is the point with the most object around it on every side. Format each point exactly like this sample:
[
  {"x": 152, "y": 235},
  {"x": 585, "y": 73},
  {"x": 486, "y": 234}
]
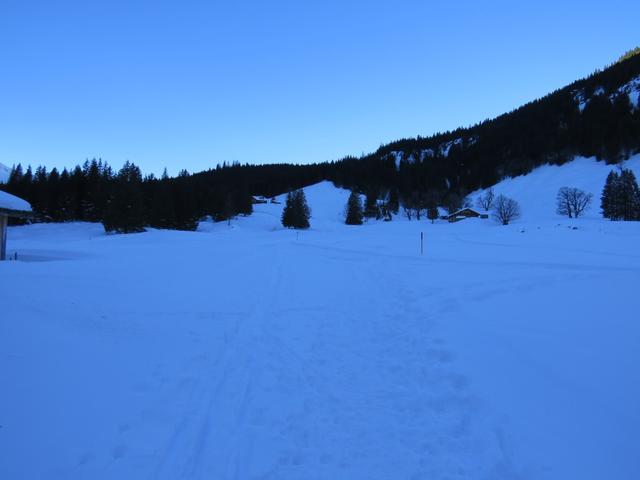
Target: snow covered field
[{"x": 334, "y": 353}]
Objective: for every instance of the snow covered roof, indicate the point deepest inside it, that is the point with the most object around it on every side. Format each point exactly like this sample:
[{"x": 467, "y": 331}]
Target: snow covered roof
[
  {"x": 462, "y": 211},
  {"x": 10, "y": 203}
]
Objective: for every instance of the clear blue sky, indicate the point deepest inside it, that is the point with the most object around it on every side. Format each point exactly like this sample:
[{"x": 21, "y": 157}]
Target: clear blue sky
[{"x": 188, "y": 84}]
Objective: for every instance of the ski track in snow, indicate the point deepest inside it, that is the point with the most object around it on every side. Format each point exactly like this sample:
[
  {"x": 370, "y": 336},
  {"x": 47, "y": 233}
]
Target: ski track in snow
[{"x": 310, "y": 400}]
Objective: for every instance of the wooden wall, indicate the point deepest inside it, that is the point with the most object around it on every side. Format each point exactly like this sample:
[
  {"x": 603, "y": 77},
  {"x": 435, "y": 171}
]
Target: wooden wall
[{"x": 3, "y": 236}]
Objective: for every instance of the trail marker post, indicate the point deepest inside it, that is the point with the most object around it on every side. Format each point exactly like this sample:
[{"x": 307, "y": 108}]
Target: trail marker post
[{"x": 421, "y": 243}]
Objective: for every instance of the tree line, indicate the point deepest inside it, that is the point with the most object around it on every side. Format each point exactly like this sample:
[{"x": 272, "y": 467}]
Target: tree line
[
  {"x": 591, "y": 117},
  {"x": 125, "y": 201}
]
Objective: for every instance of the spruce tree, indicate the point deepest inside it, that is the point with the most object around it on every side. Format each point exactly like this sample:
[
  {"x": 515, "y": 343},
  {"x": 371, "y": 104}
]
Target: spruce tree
[
  {"x": 394, "y": 201},
  {"x": 186, "y": 214},
  {"x": 16, "y": 176},
  {"x": 162, "y": 214},
  {"x": 296, "y": 212},
  {"x": 125, "y": 212},
  {"x": 354, "y": 210},
  {"x": 303, "y": 212},
  {"x": 432, "y": 213},
  {"x": 288, "y": 214},
  {"x": 620, "y": 198},
  {"x": 371, "y": 204},
  {"x": 608, "y": 200},
  {"x": 629, "y": 196}
]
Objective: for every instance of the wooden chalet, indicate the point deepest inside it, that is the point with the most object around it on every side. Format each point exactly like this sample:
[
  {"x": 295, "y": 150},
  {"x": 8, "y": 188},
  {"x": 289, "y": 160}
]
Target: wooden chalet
[
  {"x": 465, "y": 213},
  {"x": 10, "y": 206}
]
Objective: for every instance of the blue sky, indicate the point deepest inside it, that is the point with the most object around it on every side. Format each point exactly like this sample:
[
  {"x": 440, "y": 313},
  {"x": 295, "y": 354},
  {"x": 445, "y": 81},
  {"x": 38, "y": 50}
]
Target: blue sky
[{"x": 192, "y": 84}]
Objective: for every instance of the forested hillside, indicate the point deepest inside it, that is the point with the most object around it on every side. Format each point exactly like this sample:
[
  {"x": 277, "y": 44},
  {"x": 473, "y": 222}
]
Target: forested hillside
[{"x": 596, "y": 116}]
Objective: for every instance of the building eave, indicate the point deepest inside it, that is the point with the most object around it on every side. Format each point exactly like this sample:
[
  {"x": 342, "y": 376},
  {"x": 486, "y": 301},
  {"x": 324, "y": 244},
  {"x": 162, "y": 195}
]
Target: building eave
[{"x": 17, "y": 213}]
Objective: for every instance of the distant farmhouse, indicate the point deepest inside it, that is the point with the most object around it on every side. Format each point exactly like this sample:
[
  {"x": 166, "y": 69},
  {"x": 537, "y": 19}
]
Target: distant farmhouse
[
  {"x": 258, "y": 200},
  {"x": 464, "y": 213},
  {"x": 10, "y": 206}
]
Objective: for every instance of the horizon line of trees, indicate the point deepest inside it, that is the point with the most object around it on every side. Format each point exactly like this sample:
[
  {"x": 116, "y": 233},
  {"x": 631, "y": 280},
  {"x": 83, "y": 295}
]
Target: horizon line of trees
[
  {"x": 591, "y": 117},
  {"x": 124, "y": 201}
]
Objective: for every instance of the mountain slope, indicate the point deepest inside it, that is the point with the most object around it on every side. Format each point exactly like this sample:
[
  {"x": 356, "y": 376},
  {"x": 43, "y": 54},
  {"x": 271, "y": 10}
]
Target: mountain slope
[
  {"x": 5, "y": 172},
  {"x": 596, "y": 116},
  {"x": 536, "y": 191}
]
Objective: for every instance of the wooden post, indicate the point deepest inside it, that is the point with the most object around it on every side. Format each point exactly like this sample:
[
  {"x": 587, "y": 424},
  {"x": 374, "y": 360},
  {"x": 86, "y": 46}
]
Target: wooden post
[
  {"x": 3, "y": 237},
  {"x": 421, "y": 243}
]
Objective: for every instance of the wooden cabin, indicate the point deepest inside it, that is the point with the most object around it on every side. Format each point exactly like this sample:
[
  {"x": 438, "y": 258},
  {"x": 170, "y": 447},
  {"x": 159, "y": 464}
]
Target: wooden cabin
[
  {"x": 10, "y": 206},
  {"x": 465, "y": 213}
]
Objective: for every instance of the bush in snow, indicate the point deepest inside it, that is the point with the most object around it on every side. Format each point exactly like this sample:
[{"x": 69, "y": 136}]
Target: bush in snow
[
  {"x": 572, "y": 201},
  {"x": 505, "y": 209}
]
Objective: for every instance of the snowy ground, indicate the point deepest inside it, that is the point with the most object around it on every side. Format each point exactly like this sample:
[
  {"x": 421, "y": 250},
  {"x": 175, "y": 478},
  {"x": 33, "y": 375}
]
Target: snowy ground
[{"x": 335, "y": 353}]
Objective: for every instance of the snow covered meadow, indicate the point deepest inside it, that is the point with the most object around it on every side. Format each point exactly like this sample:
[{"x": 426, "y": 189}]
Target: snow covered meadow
[{"x": 250, "y": 351}]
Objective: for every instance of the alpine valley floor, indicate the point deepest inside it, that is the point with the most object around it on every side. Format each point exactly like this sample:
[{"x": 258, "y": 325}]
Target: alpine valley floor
[{"x": 253, "y": 352}]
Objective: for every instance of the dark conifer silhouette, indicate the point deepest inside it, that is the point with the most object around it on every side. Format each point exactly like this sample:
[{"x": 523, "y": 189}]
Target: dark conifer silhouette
[
  {"x": 354, "y": 210},
  {"x": 432, "y": 212},
  {"x": 620, "y": 198},
  {"x": 125, "y": 211},
  {"x": 296, "y": 213},
  {"x": 591, "y": 117}
]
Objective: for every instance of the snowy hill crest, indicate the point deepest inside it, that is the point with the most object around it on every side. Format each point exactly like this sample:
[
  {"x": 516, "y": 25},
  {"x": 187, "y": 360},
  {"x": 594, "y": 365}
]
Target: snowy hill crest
[{"x": 5, "y": 172}]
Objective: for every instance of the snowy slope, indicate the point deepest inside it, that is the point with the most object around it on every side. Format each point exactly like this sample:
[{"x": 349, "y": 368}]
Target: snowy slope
[
  {"x": 5, "y": 172},
  {"x": 327, "y": 204},
  {"x": 536, "y": 192},
  {"x": 11, "y": 202},
  {"x": 253, "y": 351}
]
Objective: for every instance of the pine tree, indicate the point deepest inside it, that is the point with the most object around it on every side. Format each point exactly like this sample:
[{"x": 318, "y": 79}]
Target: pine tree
[
  {"x": 394, "y": 201},
  {"x": 288, "y": 214},
  {"x": 629, "y": 196},
  {"x": 296, "y": 212},
  {"x": 371, "y": 204},
  {"x": 608, "y": 200},
  {"x": 185, "y": 208},
  {"x": 620, "y": 198},
  {"x": 125, "y": 212},
  {"x": 162, "y": 214},
  {"x": 432, "y": 213},
  {"x": 16, "y": 175},
  {"x": 354, "y": 210}
]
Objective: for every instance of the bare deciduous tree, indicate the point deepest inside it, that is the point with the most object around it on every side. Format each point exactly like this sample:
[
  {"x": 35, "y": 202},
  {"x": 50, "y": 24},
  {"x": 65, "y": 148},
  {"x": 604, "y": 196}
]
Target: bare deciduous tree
[
  {"x": 572, "y": 201},
  {"x": 408, "y": 211},
  {"x": 485, "y": 201},
  {"x": 505, "y": 209}
]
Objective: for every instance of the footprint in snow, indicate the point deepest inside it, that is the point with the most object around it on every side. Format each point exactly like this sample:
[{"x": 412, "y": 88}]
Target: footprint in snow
[{"x": 119, "y": 452}]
